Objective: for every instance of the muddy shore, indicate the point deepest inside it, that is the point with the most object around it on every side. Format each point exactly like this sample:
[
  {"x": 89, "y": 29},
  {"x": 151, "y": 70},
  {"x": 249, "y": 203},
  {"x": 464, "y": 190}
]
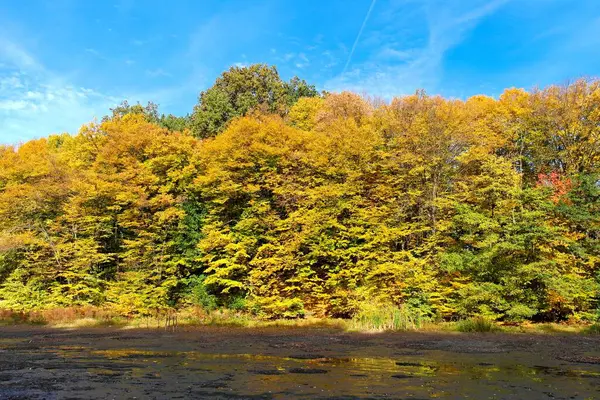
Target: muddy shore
[{"x": 276, "y": 363}]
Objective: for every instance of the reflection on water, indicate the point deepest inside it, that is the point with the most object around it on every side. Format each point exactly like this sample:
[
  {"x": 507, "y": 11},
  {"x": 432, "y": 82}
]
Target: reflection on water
[
  {"x": 430, "y": 374},
  {"x": 85, "y": 371}
]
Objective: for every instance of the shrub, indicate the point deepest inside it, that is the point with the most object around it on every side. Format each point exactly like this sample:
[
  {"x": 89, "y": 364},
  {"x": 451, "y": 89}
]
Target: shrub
[
  {"x": 62, "y": 315},
  {"x": 226, "y": 318},
  {"x": 198, "y": 294},
  {"x": 377, "y": 317},
  {"x": 277, "y": 307},
  {"x": 237, "y": 303},
  {"x": 478, "y": 324},
  {"x": 13, "y": 317},
  {"x": 594, "y": 329}
]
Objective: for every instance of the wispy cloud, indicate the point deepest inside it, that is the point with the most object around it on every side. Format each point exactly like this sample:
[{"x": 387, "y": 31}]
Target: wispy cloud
[
  {"x": 362, "y": 28},
  {"x": 11, "y": 53},
  {"x": 152, "y": 40},
  {"x": 124, "y": 6},
  {"x": 157, "y": 73},
  {"x": 330, "y": 59},
  {"x": 395, "y": 68},
  {"x": 302, "y": 61},
  {"x": 392, "y": 54},
  {"x": 35, "y": 102},
  {"x": 93, "y": 52},
  {"x": 298, "y": 60}
]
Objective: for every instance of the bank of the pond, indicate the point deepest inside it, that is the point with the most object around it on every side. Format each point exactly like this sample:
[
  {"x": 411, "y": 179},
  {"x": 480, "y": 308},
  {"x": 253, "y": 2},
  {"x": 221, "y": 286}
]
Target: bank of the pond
[{"x": 193, "y": 317}]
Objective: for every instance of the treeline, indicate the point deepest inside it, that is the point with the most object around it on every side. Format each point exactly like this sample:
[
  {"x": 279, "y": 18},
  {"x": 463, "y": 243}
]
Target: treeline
[{"x": 275, "y": 199}]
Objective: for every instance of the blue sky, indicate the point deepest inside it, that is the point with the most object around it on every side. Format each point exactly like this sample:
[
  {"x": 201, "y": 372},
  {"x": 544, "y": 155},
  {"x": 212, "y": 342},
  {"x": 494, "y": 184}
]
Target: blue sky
[{"x": 65, "y": 62}]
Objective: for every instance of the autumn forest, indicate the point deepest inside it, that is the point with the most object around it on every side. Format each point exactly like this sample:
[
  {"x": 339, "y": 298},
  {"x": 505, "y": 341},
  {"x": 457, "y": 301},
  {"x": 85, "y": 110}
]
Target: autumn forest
[{"x": 277, "y": 200}]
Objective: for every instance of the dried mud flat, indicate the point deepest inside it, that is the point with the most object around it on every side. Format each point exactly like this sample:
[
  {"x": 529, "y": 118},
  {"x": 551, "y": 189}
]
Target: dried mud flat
[{"x": 44, "y": 363}]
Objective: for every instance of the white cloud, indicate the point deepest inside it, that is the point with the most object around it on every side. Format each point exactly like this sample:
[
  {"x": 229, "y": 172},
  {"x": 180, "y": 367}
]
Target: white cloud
[
  {"x": 10, "y": 82},
  {"x": 12, "y": 105},
  {"x": 302, "y": 61},
  {"x": 35, "y": 102},
  {"x": 298, "y": 60}
]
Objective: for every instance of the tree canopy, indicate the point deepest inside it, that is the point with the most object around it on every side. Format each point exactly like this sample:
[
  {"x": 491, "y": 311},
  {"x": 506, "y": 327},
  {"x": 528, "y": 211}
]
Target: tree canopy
[
  {"x": 284, "y": 202},
  {"x": 243, "y": 89}
]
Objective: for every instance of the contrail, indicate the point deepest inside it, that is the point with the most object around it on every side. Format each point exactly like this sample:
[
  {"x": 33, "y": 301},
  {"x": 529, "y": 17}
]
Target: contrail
[{"x": 359, "y": 34}]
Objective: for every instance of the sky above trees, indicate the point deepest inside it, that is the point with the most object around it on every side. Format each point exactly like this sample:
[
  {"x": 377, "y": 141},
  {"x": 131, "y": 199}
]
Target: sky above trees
[{"x": 64, "y": 62}]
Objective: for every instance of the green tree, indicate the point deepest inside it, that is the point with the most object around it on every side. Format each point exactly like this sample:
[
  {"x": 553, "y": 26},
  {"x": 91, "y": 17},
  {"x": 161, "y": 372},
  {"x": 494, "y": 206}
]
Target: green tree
[
  {"x": 151, "y": 114},
  {"x": 243, "y": 89}
]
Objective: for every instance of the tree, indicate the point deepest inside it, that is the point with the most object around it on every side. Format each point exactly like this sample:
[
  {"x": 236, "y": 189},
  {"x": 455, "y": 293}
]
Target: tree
[
  {"x": 303, "y": 113},
  {"x": 96, "y": 209},
  {"x": 329, "y": 205},
  {"x": 150, "y": 114},
  {"x": 241, "y": 90}
]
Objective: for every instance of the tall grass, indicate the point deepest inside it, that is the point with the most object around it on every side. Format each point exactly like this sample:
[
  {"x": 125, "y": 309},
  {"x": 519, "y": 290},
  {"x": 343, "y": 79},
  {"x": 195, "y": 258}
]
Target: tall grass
[
  {"x": 593, "y": 329},
  {"x": 374, "y": 317},
  {"x": 62, "y": 316},
  {"x": 478, "y": 324}
]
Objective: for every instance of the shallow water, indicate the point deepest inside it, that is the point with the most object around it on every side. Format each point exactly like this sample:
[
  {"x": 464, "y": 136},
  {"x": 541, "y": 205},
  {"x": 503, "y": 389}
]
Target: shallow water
[{"x": 85, "y": 370}]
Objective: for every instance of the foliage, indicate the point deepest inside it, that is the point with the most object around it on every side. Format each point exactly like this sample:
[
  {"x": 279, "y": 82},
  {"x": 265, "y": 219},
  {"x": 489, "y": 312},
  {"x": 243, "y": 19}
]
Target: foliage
[
  {"x": 275, "y": 201},
  {"x": 380, "y": 317},
  {"x": 593, "y": 329},
  {"x": 303, "y": 113},
  {"x": 478, "y": 324},
  {"x": 96, "y": 220},
  {"x": 150, "y": 113},
  {"x": 240, "y": 90},
  {"x": 198, "y": 294}
]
